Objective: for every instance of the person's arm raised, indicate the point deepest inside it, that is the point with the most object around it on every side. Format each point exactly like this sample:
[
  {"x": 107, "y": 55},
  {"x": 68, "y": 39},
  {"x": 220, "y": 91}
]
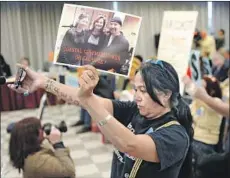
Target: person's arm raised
[
  {"x": 67, "y": 93},
  {"x": 215, "y": 103},
  {"x": 200, "y": 93},
  {"x": 70, "y": 94},
  {"x": 139, "y": 146},
  {"x": 33, "y": 81}
]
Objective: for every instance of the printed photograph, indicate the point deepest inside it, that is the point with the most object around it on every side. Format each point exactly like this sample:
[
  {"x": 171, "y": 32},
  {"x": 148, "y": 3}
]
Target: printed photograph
[{"x": 103, "y": 38}]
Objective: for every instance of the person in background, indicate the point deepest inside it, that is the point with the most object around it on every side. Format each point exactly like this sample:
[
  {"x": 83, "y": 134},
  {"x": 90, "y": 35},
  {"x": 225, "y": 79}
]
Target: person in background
[
  {"x": 226, "y": 54},
  {"x": 206, "y": 123},
  {"x": 138, "y": 59},
  {"x": 220, "y": 40},
  {"x": 220, "y": 67},
  {"x": 196, "y": 39},
  {"x": 25, "y": 61},
  {"x": 38, "y": 155},
  {"x": 208, "y": 167},
  {"x": 127, "y": 90},
  {"x": 222, "y": 107},
  {"x": 4, "y": 68},
  {"x": 207, "y": 45}
]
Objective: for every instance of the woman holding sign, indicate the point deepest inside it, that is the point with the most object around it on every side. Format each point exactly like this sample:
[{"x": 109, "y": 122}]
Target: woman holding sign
[{"x": 152, "y": 135}]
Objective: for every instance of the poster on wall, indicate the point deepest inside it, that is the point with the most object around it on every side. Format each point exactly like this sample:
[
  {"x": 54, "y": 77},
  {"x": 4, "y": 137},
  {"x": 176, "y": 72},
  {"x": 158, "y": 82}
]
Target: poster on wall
[
  {"x": 103, "y": 38},
  {"x": 176, "y": 37}
]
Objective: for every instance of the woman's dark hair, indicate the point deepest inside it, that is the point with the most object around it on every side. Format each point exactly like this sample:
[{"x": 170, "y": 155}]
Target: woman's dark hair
[
  {"x": 25, "y": 139},
  {"x": 212, "y": 86},
  {"x": 161, "y": 76},
  {"x": 96, "y": 20},
  {"x": 2, "y": 60}
]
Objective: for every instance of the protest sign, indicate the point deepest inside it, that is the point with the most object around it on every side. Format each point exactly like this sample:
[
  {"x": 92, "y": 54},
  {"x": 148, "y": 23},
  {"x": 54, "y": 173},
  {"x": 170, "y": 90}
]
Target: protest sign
[
  {"x": 206, "y": 66},
  {"x": 194, "y": 64},
  {"x": 199, "y": 66},
  {"x": 176, "y": 40},
  {"x": 103, "y": 38}
]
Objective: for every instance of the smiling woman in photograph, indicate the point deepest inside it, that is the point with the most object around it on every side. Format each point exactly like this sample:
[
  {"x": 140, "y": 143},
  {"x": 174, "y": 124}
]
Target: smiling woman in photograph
[{"x": 95, "y": 37}]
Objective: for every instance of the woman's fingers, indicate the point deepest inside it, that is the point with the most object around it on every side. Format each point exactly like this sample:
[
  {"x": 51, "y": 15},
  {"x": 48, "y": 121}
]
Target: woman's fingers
[
  {"x": 82, "y": 83},
  {"x": 90, "y": 74},
  {"x": 86, "y": 78},
  {"x": 19, "y": 89},
  {"x": 91, "y": 68},
  {"x": 186, "y": 80},
  {"x": 29, "y": 72}
]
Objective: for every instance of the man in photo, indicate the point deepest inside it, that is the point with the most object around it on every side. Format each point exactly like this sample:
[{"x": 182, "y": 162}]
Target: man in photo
[{"x": 115, "y": 44}]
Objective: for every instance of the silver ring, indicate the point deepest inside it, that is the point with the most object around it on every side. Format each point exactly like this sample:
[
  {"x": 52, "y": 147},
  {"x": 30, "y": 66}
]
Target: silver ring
[{"x": 26, "y": 93}]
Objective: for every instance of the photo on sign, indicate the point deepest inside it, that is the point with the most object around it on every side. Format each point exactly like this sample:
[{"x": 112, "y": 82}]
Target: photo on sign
[{"x": 103, "y": 38}]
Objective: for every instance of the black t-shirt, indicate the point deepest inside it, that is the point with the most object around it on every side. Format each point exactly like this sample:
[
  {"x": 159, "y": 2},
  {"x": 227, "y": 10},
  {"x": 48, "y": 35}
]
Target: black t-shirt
[{"x": 172, "y": 144}]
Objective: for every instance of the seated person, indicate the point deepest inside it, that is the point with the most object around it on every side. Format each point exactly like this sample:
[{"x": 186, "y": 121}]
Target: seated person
[{"x": 39, "y": 155}]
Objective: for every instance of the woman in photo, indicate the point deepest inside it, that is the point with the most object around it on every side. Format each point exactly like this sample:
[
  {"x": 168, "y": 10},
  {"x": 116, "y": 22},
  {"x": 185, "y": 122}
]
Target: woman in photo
[{"x": 94, "y": 39}]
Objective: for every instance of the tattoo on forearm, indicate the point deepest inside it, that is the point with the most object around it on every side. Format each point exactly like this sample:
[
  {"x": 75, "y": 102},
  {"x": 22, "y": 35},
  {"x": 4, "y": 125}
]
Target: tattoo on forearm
[{"x": 52, "y": 88}]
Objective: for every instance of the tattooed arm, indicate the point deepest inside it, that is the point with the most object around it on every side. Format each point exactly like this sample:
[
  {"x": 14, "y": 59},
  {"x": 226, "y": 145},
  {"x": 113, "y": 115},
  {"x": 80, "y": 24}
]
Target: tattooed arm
[
  {"x": 70, "y": 94},
  {"x": 33, "y": 81},
  {"x": 67, "y": 93}
]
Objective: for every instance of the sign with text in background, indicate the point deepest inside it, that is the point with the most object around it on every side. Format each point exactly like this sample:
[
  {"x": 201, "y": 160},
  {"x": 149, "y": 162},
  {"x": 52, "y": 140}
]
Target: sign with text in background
[
  {"x": 194, "y": 64},
  {"x": 103, "y": 38},
  {"x": 176, "y": 38},
  {"x": 206, "y": 66},
  {"x": 199, "y": 66}
]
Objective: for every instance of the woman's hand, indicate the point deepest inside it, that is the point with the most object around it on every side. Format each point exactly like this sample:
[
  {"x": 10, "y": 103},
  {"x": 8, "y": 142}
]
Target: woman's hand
[
  {"x": 54, "y": 136},
  {"x": 31, "y": 82},
  {"x": 87, "y": 81},
  {"x": 193, "y": 90}
]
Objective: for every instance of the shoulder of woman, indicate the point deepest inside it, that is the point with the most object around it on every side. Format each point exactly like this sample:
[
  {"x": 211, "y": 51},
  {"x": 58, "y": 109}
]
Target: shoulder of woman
[{"x": 38, "y": 158}]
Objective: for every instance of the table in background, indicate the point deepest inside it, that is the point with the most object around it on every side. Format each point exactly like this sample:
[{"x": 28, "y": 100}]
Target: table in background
[{"x": 10, "y": 100}]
